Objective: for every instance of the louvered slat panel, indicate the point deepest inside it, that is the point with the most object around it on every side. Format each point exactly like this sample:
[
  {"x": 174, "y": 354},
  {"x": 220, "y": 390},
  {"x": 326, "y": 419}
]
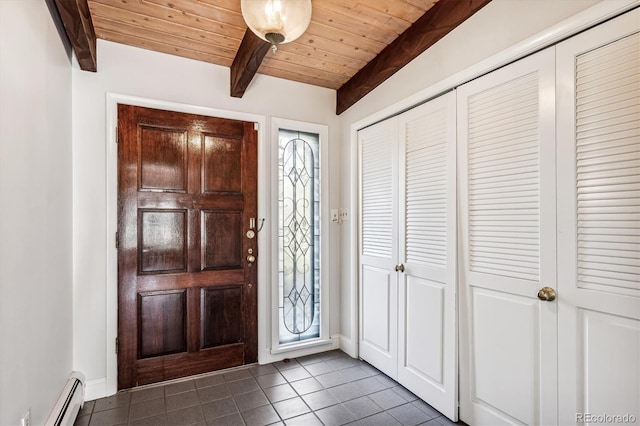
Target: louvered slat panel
[
  {"x": 503, "y": 180},
  {"x": 426, "y": 190},
  {"x": 608, "y": 165},
  {"x": 377, "y": 195}
]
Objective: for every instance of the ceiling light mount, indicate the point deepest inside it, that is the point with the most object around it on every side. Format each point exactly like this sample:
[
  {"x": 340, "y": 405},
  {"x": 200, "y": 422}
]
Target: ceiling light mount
[
  {"x": 275, "y": 39},
  {"x": 277, "y": 21}
]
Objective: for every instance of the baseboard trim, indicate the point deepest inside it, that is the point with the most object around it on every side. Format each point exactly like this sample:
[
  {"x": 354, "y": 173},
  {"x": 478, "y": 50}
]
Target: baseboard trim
[
  {"x": 95, "y": 389},
  {"x": 348, "y": 346}
]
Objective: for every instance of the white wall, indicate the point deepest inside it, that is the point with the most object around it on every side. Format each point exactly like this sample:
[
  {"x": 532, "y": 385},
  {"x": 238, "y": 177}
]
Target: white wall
[
  {"x": 141, "y": 73},
  {"x": 496, "y": 27},
  {"x": 35, "y": 212}
]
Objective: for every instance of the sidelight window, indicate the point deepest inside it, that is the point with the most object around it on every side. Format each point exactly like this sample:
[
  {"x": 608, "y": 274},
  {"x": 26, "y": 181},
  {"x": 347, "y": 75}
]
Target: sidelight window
[{"x": 299, "y": 295}]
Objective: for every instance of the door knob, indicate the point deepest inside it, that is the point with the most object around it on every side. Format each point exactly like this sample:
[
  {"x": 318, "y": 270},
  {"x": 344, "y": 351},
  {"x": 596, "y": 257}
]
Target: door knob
[
  {"x": 400, "y": 268},
  {"x": 251, "y": 258},
  {"x": 547, "y": 294}
]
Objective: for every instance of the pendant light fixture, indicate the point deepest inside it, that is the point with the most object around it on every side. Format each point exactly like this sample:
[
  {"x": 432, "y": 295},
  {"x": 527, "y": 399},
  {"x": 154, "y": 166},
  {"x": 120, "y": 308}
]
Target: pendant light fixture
[{"x": 277, "y": 21}]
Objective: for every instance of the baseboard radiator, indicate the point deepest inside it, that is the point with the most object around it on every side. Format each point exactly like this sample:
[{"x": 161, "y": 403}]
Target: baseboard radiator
[{"x": 69, "y": 403}]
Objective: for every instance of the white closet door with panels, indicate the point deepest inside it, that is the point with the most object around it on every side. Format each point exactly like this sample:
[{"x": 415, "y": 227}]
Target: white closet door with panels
[
  {"x": 599, "y": 222},
  {"x": 408, "y": 251},
  {"x": 379, "y": 245},
  {"x": 506, "y": 157},
  {"x": 427, "y": 338}
]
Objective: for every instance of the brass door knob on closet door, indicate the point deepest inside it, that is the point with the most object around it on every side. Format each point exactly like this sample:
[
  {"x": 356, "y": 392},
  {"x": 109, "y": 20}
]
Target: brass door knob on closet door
[
  {"x": 400, "y": 268},
  {"x": 547, "y": 294}
]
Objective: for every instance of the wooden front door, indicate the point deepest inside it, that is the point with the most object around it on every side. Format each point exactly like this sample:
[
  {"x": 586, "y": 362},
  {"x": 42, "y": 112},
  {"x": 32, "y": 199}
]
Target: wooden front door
[{"x": 187, "y": 290}]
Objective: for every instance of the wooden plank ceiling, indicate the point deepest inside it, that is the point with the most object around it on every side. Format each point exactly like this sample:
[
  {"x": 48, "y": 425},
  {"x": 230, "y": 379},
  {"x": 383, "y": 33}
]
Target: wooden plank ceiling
[{"x": 343, "y": 36}]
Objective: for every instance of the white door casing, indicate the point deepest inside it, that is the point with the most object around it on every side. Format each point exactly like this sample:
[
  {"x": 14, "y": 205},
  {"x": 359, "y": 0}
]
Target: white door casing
[
  {"x": 506, "y": 163},
  {"x": 378, "y": 245},
  {"x": 598, "y": 83},
  {"x": 427, "y": 336}
]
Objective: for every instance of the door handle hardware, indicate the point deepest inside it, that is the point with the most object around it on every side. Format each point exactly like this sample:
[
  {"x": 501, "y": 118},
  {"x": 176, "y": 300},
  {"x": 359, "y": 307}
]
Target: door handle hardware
[
  {"x": 251, "y": 258},
  {"x": 252, "y": 225},
  {"x": 547, "y": 294},
  {"x": 400, "y": 268}
]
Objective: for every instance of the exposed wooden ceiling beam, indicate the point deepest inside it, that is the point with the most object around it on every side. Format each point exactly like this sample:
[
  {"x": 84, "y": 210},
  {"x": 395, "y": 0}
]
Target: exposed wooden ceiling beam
[
  {"x": 437, "y": 22},
  {"x": 79, "y": 27},
  {"x": 250, "y": 54},
  {"x": 57, "y": 20}
]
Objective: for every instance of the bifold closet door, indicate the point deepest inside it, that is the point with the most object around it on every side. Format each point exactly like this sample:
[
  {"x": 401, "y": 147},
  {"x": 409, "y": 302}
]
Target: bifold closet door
[
  {"x": 506, "y": 158},
  {"x": 599, "y": 223},
  {"x": 408, "y": 324},
  {"x": 427, "y": 337},
  {"x": 378, "y": 292}
]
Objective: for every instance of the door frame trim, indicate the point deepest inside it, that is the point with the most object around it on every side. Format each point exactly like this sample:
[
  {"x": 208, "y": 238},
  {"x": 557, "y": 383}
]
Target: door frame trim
[{"x": 111, "y": 183}]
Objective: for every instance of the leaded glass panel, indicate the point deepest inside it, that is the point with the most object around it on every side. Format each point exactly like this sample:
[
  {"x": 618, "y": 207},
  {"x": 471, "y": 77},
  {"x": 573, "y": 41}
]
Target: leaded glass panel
[{"x": 299, "y": 235}]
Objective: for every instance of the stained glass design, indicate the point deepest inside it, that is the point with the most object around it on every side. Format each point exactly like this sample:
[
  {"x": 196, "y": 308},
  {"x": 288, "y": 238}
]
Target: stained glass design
[{"x": 299, "y": 235}]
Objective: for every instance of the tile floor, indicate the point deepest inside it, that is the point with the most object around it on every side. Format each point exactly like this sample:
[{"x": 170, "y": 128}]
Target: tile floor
[{"x": 328, "y": 389}]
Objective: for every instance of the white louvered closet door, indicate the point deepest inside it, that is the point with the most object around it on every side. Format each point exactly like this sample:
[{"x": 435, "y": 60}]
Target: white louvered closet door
[
  {"x": 599, "y": 222},
  {"x": 506, "y": 162},
  {"x": 379, "y": 245},
  {"x": 427, "y": 338}
]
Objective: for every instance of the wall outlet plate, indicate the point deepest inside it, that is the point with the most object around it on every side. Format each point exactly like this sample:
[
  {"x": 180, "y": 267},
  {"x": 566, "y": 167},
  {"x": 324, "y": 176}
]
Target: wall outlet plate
[{"x": 344, "y": 214}]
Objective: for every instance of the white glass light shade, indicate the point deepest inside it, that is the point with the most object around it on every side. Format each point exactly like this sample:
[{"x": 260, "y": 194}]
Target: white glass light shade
[{"x": 277, "y": 21}]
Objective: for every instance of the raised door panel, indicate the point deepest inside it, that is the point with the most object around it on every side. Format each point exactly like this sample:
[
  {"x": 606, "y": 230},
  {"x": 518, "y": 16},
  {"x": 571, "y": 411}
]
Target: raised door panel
[
  {"x": 378, "y": 310},
  {"x": 505, "y": 334},
  {"x": 613, "y": 341},
  {"x": 379, "y": 246},
  {"x": 222, "y": 164},
  {"x": 423, "y": 347},
  {"x": 427, "y": 336},
  {"x": 598, "y": 75},
  {"x": 506, "y": 157},
  {"x": 221, "y": 240},
  {"x": 162, "y": 247},
  {"x": 163, "y": 323},
  {"x": 221, "y": 316},
  {"x": 162, "y": 159}
]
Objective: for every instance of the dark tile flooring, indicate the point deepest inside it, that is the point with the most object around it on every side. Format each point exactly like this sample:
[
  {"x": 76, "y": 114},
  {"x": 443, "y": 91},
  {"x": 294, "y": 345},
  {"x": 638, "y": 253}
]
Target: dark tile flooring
[{"x": 328, "y": 389}]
